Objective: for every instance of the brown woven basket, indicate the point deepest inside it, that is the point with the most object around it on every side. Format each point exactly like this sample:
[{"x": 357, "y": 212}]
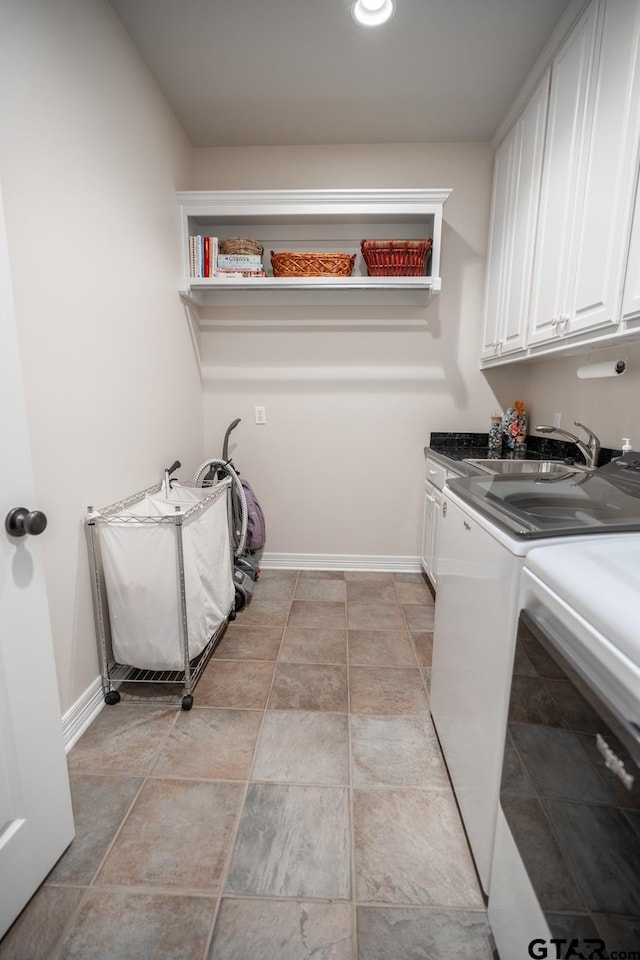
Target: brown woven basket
[
  {"x": 395, "y": 258},
  {"x": 241, "y": 245},
  {"x": 288, "y": 264}
]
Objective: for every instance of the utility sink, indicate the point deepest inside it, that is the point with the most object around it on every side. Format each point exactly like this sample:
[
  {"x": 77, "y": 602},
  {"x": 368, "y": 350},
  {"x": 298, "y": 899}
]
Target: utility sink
[{"x": 512, "y": 467}]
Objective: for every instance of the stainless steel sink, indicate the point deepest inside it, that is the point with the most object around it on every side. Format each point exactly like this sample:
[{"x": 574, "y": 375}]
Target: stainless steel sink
[{"x": 507, "y": 467}]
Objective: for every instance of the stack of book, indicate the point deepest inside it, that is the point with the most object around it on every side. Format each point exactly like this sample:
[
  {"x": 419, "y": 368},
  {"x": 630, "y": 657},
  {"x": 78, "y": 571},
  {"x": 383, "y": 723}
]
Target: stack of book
[
  {"x": 203, "y": 253},
  {"x": 205, "y": 261},
  {"x": 239, "y": 265}
]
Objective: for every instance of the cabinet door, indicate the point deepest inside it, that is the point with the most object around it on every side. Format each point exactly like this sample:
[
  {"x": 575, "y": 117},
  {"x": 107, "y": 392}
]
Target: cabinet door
[
  {"x": 604, "y": 223},
  {"x": 426, "y": 528},
  {"x": 433, "y": 500},
  {"x": 516, "y": 190},
  {"x": 498, "y": 248},
  {"x": 565, "y": 156},
  {"x": 631, "y": 300},
  {"x": 437, "y": 501}
]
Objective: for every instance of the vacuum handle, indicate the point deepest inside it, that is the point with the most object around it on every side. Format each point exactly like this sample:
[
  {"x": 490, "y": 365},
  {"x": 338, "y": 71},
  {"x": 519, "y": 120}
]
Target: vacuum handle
[
  {"x": 225, "y": 446},
  {"x": 174, "y": 466}
]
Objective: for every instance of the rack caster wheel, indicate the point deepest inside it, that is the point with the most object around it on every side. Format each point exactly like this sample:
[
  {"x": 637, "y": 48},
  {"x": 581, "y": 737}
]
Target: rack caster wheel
[
  {"x": 240, "y": 601},
  {"x": 187, "y": 702},
  {"x": 112, "y": 697}
]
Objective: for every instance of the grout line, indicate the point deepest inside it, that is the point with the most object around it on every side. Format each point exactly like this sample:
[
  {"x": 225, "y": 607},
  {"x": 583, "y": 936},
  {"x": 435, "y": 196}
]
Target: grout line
[
  {"x": 234, "y": 839},
  {"x": 354, "y": 911}
]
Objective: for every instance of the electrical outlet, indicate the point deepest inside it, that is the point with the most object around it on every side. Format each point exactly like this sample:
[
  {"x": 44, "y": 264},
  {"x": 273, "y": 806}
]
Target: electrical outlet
[
  {"x": 557, "y": 420},
  {"x": 261, "y": 414}
]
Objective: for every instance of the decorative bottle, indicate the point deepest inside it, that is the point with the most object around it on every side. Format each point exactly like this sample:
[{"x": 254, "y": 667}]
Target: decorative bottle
[
  {"x": 494, "y": 442},
  {"x": 515, "y": 424}
]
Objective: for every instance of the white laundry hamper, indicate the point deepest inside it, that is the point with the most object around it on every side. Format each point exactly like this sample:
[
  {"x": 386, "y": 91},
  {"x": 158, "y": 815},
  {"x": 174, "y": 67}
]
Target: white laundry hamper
[{"x": 165, "y": 560}]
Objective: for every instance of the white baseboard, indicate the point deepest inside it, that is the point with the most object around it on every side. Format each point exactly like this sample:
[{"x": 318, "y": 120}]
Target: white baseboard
[
  {"x": 82, "y": 713},
  {"x": 322, "y": 561}
]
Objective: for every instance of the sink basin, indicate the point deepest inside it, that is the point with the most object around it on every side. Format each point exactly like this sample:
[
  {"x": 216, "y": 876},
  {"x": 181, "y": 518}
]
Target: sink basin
[{"x": 525, "y": 466}]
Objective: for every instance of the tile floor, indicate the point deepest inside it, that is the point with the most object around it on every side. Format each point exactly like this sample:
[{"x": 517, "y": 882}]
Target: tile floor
[{"x": 300, "y": 810}]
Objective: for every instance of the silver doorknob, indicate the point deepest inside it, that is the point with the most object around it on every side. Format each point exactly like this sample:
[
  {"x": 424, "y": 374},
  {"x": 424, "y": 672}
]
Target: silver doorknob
[{"x": 20, "y": 521}]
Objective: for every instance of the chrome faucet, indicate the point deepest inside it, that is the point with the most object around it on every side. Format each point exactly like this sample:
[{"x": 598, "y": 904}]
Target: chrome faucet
[{"x": 590, "y": 449}]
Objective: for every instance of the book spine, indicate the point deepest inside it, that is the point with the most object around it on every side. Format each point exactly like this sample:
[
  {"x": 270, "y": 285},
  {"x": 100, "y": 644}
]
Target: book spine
[
  {"x": 227, "y": 272},
  {"x": 241, "y": 260},
  {"x": 213, "y": 255},
  {"x": 206, "y": 261},
  {"x": 193, "y": 257}
]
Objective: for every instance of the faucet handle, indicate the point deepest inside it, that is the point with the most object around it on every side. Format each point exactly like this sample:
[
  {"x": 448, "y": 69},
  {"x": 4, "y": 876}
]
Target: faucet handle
[{"x": 592, "y": 435}]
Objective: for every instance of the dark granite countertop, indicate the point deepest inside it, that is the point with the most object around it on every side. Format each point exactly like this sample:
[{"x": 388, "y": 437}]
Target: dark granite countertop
[{"x": 454, "y": 448}]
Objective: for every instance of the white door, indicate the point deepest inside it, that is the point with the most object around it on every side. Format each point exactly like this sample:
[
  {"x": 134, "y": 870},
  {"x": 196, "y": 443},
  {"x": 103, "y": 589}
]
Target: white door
[{"x": 36, "y": 823}]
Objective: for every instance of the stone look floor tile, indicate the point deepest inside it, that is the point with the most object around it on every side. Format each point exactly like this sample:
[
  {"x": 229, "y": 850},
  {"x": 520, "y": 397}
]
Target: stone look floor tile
[
  {"x": 317, "y": 613},
  {"x": 242, "y": 642},
  {"x": 169, "y": 839},
  {"x": 266, "y": 613},
  {"x": 410, "y": 848},
  {"x": 234, "y": 683},
  {"x": 376, "y": 575},
  {"x": 312, "y": 645},
  {"x": 376, "y": 647},
  {"x": 309, "y": 686},
  {"x": 411, "y": 593},
  {"x": 293, "y": 841},
  {"x": 321, "y": 575},
  {"x": 282, "y": 930},
  {"x": 117, "y": 925},
  {"x": 419, "y": 616},
  {"x": 99, "y": 807},
  {"x": 37, "y": 933},
  {"x": 385, "y": 932},
  {"x": 423, "y": 641},
  {"x": 371, "y": 591},
  {"x": 397, "y": 751},
  {"x": 375, "y": 616},
  {"x": 124, "y": 738},
  {"x": 275, "y": 585},
  {"x": 210, "y": 744},
  {"x": 331, "y": 590},
  {"x": 177, "y": 835},
  {"x": 303, "y": 747},
  {"x": 387, "y": 691}
]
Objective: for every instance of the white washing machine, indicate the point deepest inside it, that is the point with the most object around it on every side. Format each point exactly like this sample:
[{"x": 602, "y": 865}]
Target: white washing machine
[
  {"x": 566, "y": 864},
  {"x": 489, "y": 526}
]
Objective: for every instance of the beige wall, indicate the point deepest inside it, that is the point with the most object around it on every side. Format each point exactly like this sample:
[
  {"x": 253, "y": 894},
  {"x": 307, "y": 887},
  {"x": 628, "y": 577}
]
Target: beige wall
[
  {"x": 90, "y": 158},
  {"x": 608, "y": 406},
  {"x": 338, "y": 467}
]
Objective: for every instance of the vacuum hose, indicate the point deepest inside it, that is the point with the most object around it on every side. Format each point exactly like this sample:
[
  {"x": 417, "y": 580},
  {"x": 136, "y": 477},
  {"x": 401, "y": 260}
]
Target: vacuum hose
[{"x": 225, "y": 467}]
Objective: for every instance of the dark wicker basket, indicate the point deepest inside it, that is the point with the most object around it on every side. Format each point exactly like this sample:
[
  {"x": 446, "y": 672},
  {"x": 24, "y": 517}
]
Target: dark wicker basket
[{"x": 396, "y": 258}]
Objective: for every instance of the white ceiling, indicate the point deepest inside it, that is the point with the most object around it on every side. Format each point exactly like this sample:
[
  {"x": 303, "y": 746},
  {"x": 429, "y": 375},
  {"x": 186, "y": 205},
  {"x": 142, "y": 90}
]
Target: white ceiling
[{"x": 278, "y": 72}]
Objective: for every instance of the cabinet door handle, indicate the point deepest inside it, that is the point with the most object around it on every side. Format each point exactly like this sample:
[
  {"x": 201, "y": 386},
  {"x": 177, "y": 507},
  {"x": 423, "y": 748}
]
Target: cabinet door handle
[
  {"x": 467, "y": 526},
  {"x": 432, "y": 473}
]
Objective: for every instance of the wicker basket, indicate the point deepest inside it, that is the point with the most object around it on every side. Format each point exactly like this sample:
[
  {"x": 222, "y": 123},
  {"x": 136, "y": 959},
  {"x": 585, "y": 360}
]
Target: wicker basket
[
  {"x": 396, "y": 258},
  {"x": 241, "y": 245},
  {"x": 288, "y": 264}
]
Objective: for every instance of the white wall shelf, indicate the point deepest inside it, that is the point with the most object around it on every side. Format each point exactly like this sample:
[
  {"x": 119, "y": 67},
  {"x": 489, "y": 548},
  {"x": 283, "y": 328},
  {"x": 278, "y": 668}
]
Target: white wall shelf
[{"x": 312, "y": 220}]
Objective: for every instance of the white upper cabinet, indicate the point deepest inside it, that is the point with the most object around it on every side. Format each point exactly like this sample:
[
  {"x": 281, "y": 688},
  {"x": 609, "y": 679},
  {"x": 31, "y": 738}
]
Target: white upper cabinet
[
  {"x": 565, "y": 161},
  {"x": 324, "y": 221},
  {"x": 570, "y": 278},
  {"x": 516, "y": 192}
]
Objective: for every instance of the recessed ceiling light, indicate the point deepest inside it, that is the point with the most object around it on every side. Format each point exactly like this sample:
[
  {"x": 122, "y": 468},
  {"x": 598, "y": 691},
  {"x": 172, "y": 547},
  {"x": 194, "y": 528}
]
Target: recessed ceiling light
[{"x": 371, "y": 13}]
